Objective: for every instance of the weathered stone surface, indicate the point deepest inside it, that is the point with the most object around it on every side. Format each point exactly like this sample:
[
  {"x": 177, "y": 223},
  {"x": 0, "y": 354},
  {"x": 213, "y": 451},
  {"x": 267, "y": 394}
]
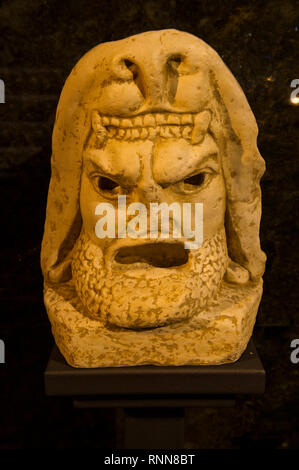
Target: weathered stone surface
[
  {"x": 257, "y": 42},
  {"x": 159, "y": 118},
  {"x": 215, "y": 335}
]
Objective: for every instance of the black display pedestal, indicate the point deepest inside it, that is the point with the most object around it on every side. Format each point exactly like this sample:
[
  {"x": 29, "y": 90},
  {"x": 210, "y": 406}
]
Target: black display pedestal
[{"x": 154, "y": 398}]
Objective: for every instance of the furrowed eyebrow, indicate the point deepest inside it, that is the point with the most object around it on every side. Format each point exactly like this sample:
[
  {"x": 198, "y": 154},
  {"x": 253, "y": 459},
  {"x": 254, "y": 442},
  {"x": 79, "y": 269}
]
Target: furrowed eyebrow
[
  {"x": 198, "y": 166},
  {"x": 91, "y": 164},
  {"x": 212, "y": 157}
]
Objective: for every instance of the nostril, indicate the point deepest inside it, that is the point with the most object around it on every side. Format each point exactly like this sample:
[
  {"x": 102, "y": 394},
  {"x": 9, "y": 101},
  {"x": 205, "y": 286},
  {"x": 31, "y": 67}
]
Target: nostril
[
  {"x": 132, "y": 67},
  {"x": 175, "y": 61},
  {"x": 172, "y": 65},
  {"x": 136, "y": 74}
]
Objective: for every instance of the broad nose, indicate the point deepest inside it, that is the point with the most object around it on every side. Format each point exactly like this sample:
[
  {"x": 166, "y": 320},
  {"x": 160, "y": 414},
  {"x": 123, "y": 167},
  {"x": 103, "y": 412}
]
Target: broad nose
[{"x": 147, "y": 190}]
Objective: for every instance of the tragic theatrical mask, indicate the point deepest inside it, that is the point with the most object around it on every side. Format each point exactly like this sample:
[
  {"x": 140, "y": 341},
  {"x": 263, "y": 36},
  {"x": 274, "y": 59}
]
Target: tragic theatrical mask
[{"x": 150, "y": 127}]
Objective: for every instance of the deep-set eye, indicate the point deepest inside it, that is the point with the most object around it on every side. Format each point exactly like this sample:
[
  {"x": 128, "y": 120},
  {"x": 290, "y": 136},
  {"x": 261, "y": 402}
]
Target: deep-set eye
[
  {"x": 196, "y": 180},
  {"x": 194, "y": 183},
  {"x": 106, "y": 184}
]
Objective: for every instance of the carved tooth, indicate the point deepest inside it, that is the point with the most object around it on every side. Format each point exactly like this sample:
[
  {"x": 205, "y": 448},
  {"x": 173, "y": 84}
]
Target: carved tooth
[
  {"x": 161, "y": 118},
  {"x": 118, "y": 134},
  {"x": 137, "y": 122},
  {"x": 99, "y": 129},
  {"x": 114, "y": 122},
  {"x": 135, "y": 134},
  {"x": 165, "y": 132},
  {"x": 186, "y": 119},
  {"x": 127, "y": 123},
  {"x": 121, "y": 133},
  {"x": 176, "y": 131},
  {"x": 101, "y": 138},
  {"x": 143, "y": 133},
  {"x": 111, "y": 131},
  {"x": 201, "y": 124},
  {"x": 153, "y": 131},
  {"x": 128, "y": 134},
  {"x": 186, "y": 132},
  {"x": 106, "y": 121},
  {"x": 173, "y": 119},
  {"x": 96, "y": 120},
  {"x": 149, "y": 120},
  {"x": 165, "y": 117},
  {"x": 162, "y": 131}
]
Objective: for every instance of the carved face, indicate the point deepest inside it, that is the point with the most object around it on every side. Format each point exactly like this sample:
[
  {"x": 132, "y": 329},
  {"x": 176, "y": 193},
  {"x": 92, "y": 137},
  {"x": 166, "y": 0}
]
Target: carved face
[
  {"x": 151, "y": 158},
  {"x": 152, "y": 123}
]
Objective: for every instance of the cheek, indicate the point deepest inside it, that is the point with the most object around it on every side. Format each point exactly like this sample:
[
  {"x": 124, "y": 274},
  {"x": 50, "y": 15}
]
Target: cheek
[
  {"x": 214, "y": 205},
  {"x": 89, "y": 199}
]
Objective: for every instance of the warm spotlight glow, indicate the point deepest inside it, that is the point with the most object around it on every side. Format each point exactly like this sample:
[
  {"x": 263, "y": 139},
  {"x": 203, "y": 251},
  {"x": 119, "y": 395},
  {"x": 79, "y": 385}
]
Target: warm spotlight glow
[{"x": 294, "y": 100}]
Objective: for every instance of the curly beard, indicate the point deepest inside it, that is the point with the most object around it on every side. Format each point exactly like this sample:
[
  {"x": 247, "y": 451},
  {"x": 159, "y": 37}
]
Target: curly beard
[{"x": 147, "y": 297}]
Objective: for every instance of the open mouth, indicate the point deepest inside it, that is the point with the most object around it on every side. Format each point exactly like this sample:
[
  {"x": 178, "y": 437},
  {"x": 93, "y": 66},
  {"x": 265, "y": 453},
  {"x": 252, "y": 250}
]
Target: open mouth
[{"x": 159, "y": 255}]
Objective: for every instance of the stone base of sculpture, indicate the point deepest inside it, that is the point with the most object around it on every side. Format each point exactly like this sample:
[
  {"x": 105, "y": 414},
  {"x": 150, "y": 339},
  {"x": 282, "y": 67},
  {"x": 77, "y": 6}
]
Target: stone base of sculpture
[{"x": 217, "y": 335}]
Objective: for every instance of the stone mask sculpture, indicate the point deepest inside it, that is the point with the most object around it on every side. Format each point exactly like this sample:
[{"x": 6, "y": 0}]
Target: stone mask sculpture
[{"x": 158, "y": 118}]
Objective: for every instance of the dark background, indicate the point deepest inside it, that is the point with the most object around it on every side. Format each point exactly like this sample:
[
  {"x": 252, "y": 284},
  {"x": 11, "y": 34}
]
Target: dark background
[{"x": 40, "y": 42}]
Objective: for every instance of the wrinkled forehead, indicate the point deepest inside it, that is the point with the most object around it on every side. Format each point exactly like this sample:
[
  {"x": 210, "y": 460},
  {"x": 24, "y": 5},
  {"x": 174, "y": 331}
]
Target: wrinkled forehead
[{"x": 153, "y": 71}]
